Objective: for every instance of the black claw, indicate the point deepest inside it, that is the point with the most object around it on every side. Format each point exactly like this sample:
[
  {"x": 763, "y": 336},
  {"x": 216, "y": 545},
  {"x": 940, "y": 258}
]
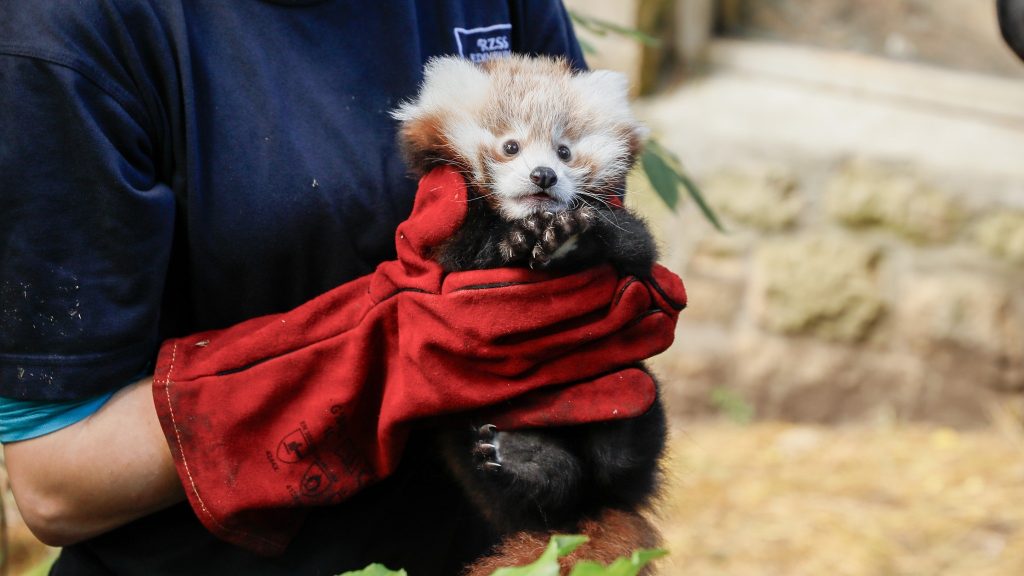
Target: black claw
[
  {"x": 486, "y": 432},
  {"x": 550, "y": 240},
  {"x": 566, "y": 224},
  {"x": 506, "y": 251},
  {"x": 533, "y": 225},
  {"x": 488, "y": 452},
  {"x": 588, "y": 213},
  {"x": 519, "y": 240}
]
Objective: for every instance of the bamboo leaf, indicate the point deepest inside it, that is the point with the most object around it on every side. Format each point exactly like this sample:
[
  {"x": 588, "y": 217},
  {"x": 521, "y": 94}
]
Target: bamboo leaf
[
  {"x": 661, "y": 176},
  {"x": 670, "y": 158},
  {"x": 672, "y": 163},
  {"x": 586, "y": 46},
  {"x": 695, "y": 193},
  {"x": 587, "y": 23},
  {"x": 603, "y": 27}
]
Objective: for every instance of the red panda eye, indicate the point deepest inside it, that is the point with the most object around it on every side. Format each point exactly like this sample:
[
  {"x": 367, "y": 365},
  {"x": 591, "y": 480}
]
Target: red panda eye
[
  {"x": 564, "y": 154},
  {"x": 511, "y": 147}
]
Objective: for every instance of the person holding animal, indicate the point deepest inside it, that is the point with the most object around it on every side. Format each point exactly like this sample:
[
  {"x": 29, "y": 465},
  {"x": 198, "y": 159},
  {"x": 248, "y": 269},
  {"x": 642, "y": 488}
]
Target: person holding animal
[{"x": 216, "y": 354}]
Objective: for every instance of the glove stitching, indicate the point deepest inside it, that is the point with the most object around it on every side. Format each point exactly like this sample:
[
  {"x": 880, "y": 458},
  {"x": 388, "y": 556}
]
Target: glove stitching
[{"x": 184, "y": 460}]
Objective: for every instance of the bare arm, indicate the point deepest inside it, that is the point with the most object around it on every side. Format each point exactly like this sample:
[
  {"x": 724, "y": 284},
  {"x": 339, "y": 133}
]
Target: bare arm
[{"x": 97, "y": 474}]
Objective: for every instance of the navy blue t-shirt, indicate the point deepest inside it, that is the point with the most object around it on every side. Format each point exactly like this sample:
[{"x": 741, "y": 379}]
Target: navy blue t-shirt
[{"x": 173, "y": 166}]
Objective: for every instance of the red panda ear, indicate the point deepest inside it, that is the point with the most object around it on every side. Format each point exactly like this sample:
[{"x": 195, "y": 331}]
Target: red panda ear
[
  {"x": 450, "y": 79},
  {"x": 421, "y": 140},
  {"x": 604, "y": 92},
  {"x": 453, "y": 88},
  {"x": 637, "y": 135}
]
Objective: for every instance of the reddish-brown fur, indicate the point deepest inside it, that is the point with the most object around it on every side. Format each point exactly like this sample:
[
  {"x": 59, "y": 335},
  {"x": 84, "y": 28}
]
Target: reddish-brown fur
[
  {"x": 613, "y": 534},
  {"x": 424, "y": 144}
]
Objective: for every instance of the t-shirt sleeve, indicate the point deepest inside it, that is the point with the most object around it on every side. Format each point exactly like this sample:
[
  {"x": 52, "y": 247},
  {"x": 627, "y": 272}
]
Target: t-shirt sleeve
[
  {"x": 543, "y": 28},
  {"x": 27, "y": 419},
  {"x": 85, "y": 230}
]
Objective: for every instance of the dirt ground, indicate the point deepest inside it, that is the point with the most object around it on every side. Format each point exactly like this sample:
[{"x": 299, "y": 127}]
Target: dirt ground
[
  {"x": 879, "y": 500},
  {"x": 774, "y": 499}
]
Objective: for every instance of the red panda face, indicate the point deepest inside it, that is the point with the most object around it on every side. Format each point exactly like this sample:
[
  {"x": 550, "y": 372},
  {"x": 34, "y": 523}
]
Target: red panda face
[
  {"x": 529, "y": 171},
  {"x": 529, "y": 133}
]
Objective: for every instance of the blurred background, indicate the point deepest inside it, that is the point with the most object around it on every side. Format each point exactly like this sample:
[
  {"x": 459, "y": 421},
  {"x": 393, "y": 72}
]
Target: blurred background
[{"x": 847, "y": 385}]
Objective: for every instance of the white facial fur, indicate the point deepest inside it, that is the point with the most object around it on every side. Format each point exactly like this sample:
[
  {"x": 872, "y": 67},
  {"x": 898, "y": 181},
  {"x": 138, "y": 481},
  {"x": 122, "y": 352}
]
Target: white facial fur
[
  {"x": 541, "y": 105},
  {"x": 510, "y": 177}
]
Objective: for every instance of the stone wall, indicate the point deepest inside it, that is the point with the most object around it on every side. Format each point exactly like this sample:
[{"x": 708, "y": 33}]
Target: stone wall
[
  {"x": 873, "y": 266},
  {"x": 958, "y": 33},
  {"x": 848, "y": 289}
]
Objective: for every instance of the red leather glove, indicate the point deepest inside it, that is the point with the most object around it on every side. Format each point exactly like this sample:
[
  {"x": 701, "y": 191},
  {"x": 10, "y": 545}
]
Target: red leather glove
[{"x": 304, "y": 408}]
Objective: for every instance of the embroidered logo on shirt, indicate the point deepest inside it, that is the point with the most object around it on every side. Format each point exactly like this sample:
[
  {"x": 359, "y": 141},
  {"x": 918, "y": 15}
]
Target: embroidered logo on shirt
[{"x": 482, "y": 44}]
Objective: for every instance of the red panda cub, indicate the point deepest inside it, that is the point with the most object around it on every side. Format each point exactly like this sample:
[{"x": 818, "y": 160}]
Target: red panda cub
[{"x": 545, "y": 151}]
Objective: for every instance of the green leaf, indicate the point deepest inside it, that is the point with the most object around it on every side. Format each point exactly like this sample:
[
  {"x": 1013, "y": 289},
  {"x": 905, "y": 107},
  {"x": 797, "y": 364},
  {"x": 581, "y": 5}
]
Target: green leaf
[
  {"x": 376, "y": 570},
  {"x": 42, "y": 568},
  {"x": 588, "y": 24},
  {"x": 662, "y": 177},
  {"x": 565, "y": 544},
  {"x": 654, "y": 145},
  {"x": 642, "y": 558},
  {"x": 672, "y": 164},
  {"x": 603, "y": 27},
  {"x": 695, "y": 193},
  {"x": 622, "y": 567},
  {"x": 732, "y": 405},
  {"x": 547, "y": 564},
  {"x": 587, "y": 47}
]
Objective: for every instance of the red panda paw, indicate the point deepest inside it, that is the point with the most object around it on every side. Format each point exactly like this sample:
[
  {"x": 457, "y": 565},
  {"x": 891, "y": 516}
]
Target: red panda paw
[
  {"x": 561, "y": 234},
  {"x": 541, "y": 238}
]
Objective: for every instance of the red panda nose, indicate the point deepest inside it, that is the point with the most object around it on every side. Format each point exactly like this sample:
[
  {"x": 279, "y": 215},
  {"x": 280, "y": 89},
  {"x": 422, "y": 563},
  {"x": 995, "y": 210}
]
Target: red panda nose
[{"x": 544, "y": 177}]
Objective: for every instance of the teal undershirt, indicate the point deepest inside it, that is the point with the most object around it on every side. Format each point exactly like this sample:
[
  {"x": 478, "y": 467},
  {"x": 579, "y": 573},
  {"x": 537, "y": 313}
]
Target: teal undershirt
[{"x": 25, "y": 419}]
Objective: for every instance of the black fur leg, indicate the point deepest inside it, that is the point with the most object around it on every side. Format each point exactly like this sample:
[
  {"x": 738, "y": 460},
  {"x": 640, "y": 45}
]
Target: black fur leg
[
  {"x": 622, "y": 457},
  {"x": 521, "y": 478},
  {"x": 537, "y": 482},
  {"x": 621, "y": 237}
]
